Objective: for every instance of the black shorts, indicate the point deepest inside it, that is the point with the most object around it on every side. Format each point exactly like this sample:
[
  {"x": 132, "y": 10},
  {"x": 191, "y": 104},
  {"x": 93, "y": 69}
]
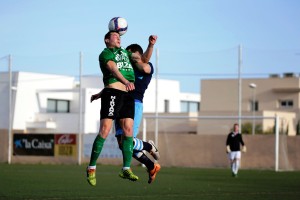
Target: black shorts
[{"x": 116, "y": 104}]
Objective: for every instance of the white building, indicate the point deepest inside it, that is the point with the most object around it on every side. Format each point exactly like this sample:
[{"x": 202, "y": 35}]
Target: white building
[{"x": 43, "y": 103}]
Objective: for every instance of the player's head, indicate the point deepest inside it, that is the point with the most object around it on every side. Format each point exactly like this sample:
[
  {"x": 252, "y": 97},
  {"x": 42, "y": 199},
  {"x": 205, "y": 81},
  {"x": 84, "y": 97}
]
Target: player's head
[
  {"x": 112, "y": 39},
  {"x": 236, "y": 127},
  {"x": 135, "y": 48}
]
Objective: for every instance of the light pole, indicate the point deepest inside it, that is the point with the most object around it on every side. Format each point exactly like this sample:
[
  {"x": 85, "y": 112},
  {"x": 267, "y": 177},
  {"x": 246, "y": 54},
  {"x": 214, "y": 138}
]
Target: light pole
[
  {"x": 253, "y": 87},
  {"x": 9, "y": 58},
  {"x": 80, "y": 110},
  {"x": 240, "y": 61}
]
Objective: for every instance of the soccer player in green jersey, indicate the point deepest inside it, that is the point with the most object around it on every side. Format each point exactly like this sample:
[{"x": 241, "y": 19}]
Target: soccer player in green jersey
[
  {"x": 142, "y": 80},
  {"x": 117, "y": 102}
]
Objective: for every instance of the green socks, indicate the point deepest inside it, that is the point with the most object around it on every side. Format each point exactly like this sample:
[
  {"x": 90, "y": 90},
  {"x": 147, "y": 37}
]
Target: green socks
[
  {"x": 127, "y": 150},
  {"x": 97, "y": 148}
]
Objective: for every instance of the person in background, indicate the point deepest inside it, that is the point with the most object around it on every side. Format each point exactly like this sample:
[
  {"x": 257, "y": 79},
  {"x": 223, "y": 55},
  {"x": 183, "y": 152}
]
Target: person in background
[{"x": 233, "y": 149}]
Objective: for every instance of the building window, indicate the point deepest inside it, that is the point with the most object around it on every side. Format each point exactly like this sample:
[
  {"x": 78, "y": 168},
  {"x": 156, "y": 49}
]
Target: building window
[
  {"x": 286, "y": 103},
  {"x": 167, "y": 106},
  {"x": 189, "y": 106},
  {"x": 254, "y": 107},
  {"x": 58, "y": 106}
]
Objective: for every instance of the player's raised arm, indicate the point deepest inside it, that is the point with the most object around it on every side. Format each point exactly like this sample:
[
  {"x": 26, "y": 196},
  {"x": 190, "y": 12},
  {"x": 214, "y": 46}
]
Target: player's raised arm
[{"x": 148, "y": 53}]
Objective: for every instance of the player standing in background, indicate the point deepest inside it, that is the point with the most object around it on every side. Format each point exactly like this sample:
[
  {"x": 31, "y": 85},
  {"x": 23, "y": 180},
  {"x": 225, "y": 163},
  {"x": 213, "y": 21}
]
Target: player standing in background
[
  {"x": 233, "y": 142},
  {"x": 117, "y": 102},
  {"x": 142, "y": 79}
]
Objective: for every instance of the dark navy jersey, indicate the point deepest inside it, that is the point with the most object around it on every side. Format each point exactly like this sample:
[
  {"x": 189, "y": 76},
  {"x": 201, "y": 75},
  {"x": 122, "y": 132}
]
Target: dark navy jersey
[
  {"x": 141, "y": 83},
  {"x": 234, "y": 141}
]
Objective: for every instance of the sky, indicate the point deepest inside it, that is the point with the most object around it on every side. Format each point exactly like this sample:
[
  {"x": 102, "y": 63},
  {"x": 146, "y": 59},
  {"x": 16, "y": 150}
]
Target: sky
[{"x": 197, "y": 39}]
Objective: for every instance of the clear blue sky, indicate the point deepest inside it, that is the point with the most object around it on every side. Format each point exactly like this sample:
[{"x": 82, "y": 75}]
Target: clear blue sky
[{"x": 197, "y": 39}]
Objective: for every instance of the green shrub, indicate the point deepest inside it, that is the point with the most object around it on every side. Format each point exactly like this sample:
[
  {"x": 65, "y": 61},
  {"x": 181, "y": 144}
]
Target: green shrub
[{"x": 247, "y": 128}]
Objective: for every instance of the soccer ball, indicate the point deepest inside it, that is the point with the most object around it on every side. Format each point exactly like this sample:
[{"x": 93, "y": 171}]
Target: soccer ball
[{"x": 118, "y": 24}]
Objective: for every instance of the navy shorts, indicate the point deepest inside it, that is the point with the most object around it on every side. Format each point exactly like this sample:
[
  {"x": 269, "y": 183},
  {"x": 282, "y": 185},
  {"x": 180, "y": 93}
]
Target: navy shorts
[{"x": 116, "y": 104}]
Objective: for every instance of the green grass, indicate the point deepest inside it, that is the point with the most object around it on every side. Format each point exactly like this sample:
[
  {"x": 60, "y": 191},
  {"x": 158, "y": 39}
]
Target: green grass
[{"x": 57, "y": 182}]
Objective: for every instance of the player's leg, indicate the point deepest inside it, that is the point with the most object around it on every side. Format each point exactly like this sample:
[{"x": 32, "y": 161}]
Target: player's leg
[
  {"x": 153, "y": 172},
  {"x": 233, "y": 169},
  {"x": 138, "y": 115},
  {"x": 127, "y": 149},
  {"x": 127, "y": 143},
  {"x": 235, "y": 165},
  {"x": 237, "y": 162},
  {"x": 105, "y": 126},
  {"x": 150, "y": 147},
  {"x": 232, "y": 162},
  {"x": 126, "y": 122},
  {"x": 140, "y": 145},
  {"x": 108, "y": 112},
  {"x": 99, "y": 140},
  {"x": 137, "y": 154},
  {"x": 152, "y": 168},
  {"x": 118, "y": 133}
]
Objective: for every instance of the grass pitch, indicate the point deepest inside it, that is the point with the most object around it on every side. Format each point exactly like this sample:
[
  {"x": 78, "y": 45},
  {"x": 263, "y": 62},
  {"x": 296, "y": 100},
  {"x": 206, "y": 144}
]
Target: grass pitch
[{"x": 57, "y": 182}]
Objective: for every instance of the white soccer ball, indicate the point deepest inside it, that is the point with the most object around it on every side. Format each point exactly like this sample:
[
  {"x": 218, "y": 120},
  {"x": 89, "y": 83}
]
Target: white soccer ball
[{"x": 118, "y": 24}]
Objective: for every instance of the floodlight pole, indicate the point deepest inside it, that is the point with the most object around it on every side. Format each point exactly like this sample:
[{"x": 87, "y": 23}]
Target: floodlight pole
[
  {"x": 9, "y": 110},
  {"x": 156, "y": 99},
  {"x": 80, "y": 110},
  {"x": 240, "y": 86},
  {"x": 254, "y": 109},
  {"x": 276, "y": 143}
]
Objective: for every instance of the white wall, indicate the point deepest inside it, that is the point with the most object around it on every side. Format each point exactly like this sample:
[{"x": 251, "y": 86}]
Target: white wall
[
  {"x": 167, "y": 90},
  {"x": 92, "y": 82},
  {"x": 4, "y": 108},
  {"x": 92, "y": 112},
  {"x": 30, "y": 100},
  {"x": 34, "y": 89}
]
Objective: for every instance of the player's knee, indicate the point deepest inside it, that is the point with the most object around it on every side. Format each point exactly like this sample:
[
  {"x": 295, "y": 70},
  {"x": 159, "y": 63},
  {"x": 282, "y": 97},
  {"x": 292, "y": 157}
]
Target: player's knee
[
  {"x": 127, "y": 130},
  {"x": 104, "y": 130}
]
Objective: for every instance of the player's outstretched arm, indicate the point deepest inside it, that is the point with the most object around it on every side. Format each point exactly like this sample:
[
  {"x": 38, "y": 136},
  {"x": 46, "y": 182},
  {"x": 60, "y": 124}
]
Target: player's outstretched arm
[
  {"x": 96, "y": 96},
  {"x": 148, "y": 53}
]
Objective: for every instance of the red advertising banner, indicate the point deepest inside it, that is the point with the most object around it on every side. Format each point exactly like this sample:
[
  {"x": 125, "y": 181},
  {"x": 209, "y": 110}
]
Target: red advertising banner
[{"x": 65, "y": 145}]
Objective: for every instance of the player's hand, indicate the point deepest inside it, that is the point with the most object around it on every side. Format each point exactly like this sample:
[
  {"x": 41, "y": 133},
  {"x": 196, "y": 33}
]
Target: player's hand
[
  {"x": 96, "y": 96},
  {"x": 152, "y": 39},
  {"x": 244, "y": 149},
  {"x": 228, "y": 150},
  {"x": 93, "y": 97},
  {"x": 129, "y": 86}
]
